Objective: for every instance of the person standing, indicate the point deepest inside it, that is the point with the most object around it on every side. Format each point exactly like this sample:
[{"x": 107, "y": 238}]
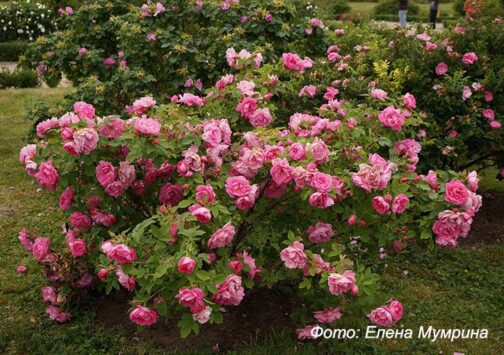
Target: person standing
[
  {"x": 403, "y": 11},
  {"x": 434, "y": 5}
]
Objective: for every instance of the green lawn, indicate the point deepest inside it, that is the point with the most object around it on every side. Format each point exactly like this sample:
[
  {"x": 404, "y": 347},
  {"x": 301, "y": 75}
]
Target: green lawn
[{"x": 459, "y": 288}]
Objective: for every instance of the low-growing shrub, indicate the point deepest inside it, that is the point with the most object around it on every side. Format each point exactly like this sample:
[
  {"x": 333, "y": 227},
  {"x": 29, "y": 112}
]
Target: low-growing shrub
[
  {"x": 339, "y": 7},
  {"x": 391, "y": 7},
  {"x": 19, "y": 78},
  {"x": 10, "y": 51},
  {"x": 191, "y": 204}
]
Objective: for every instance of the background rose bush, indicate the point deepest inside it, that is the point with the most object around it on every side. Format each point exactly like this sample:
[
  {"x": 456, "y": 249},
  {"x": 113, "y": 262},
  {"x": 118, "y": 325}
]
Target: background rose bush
[{"x": 166, "y": 203}]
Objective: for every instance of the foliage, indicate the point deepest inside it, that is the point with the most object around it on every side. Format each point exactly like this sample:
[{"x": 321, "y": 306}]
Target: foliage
[
  {"x": 391, "y": 7},
  {"x": 19, "y": 78},
  {"x": 129, "y": 51},
  {"x": 10, "y": 51},
  {"x": 339, "y": 7},
  {"x": 166, "y": 203}
]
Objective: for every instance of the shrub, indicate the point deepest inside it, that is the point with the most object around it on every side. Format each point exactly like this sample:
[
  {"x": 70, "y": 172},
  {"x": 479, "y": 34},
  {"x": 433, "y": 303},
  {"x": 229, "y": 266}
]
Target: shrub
[
  {"x": 391, "y": 7},
  {"x": 10, "y": 51},
  {"x": 339, "y": 7},
  {"x": 25, "y": 20},
  {"x": 130, "y": 50},
  {"x": 167, "y": 204},
  {"x": 20, "y": 78}
]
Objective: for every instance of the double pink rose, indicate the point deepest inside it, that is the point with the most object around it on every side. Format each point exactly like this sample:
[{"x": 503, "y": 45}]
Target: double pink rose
[
  {"x": 143, "y": 316},
  {"x": 186, "y": 265},
  {"x": 192, "y": 299},
  {"x": 47, "y": 176},
  {"x": 341, "y": 283},
  {"x": 222, "y": 237},
  {"x": 40, "y": 248},
  {"x": 120, "y": 253},
  {"x": 388, "y": 315},
  {"x": 392, "y": 117},
  {"x": 469, "y": 58},
  {"x": 294, "y": 256},
  {"x": 320, "y": 233},
  {"x": 456, "y": 192},
  {"x": 328, "y": 315},
  {"x": 230, "y": 292}
]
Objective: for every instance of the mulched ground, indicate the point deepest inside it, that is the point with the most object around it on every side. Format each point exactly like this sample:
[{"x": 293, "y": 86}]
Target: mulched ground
[{"x": 263, "y": 311}]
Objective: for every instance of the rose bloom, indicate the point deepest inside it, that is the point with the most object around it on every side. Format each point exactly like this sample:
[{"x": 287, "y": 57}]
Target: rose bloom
[
  {"x": 230, "y": 292},
  {"x": 120, "y": 253},
  {"x": 49, "y": 294},
  {"x": 186, "y": 265},
  {"x": 103, "y": 274},
  {"x": 80, "y": 221},
  {"x": 260, "y": 118},
  {"x": 293, "y": 256},
  {"x": 488, "y": 113},
  {"x": 379, "y": 94},
  {"x": 247, "y": 107},
  {"x": 341, "y": 283},
  {"x": 57, "y": 314},
  {"x": 469, "y": 58},
  {"x": 281, "y": 172},
  {"x": 40, "y": 248},
  {"x": 396, "y": 309},
  {"x": 382, "y": 316},
  {"x": 124, "y": 280},
  {"x": 105, "y": 173},
  {"x": 238, "y": 186},
  {"x": 441, "y": 68},
  {"x": 297, "y": 152},
  {"x": 77, "y": 247},
  {"x": 306, "y": 332},
  {"x": 148, "y": 126},
  {"x": 456, "y": 192},
  {"x": 85, "y": 140},
  {"x": 495, "y": 125},
  {"x": 321, "y": 233},
  {"x": 47, "y": 176},
  {"x": 222, "y": 237},
  {"x": 21, "y": 269},
  {"x": 321, "y": 182},
  {"x": 170, "y": 194},
  {"x": 202, "y": 214},
  {"x": 328, "y": 315},
  {"x": 143, "y": 316},
  {"x": 321, "y": 200},
  {"x": 400, "y": 203},
  {"x": 392, "y": 117},
  {"x": 203, "y": 316},
  {"x": 319, "y": 151},
  {"x": 192, "y": 298},
  {"x": 143, "y": 105},
  {"x": 205, "y": 194},
  {"x": 473, "y": 181},
  {"x": 409, "y": 101},
  {"x": 473, "y": 204},
  {"x": 380, "y": 205},
  {"x": 25, "y": 241},
  {"x": 66, "y": 198},
  {"x": 84, "y": 110},
  {"x": 451, "y": 225}
]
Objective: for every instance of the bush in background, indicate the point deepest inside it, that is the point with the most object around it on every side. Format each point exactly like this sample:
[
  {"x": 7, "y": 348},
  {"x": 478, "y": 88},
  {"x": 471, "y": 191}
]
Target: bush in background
[
  {"x": 10, "y": 51},
  {"x": 391, "y": 7},
  {"x": 19, "y": 78}
]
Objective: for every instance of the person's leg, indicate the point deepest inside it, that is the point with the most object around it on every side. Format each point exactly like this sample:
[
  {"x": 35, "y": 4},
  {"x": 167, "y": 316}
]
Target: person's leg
[
  {"x": 432, "y": 17},
  {"x": 402, "y": 18}
]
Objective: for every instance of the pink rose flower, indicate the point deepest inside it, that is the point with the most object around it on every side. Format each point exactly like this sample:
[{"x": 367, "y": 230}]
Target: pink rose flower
[
  {"x": 456, "y": 192},
  {"x": 281, "y": 172},
  {"x": 451, "y": 225},
  {"x": 128, "y": 282},
  {"x": 85, "y": 141},
  {"x": 222, "y": 237},
  {"x": 297, "y": 151},
  {"x": 143, "y": 104},
  {"x": 203, "y": 316},
  {"x": 66, "y": 198},
  {"x": 306, "y": 332},
  {"x": 57, "y": 314},
  {"x": 84, "y": 110},
  {"x": 238, "y": 186},
  {"x": 392, "y": 117},
  {"x": 77, "y": 247},
  {"x": 431, "y": 179},
  {"x": 321, "y": 200},
  {"x": 49, "y": 294},
  {"x": 495, "y": 125},
  {"x": 192, "y": 299},
  {"x": 466, "y": 93},
  {"x": 379, "y": 94},
  {"x": 396, "y": 309},
  {"x": 21, "y": 269},
  {"x": 308, "y": 90},
  {"x": 40, "y": 248},
  {"x": 293, "y": 256},
  {"x": 469, "y": 58},
  {"x": 260, "y": 118},
  {"x": 170, "y": 194},
  {"x": 25, "y": 241},
  {"x": 120, "y": 253},
  {"x": 201, "y": 213},
  {"x": 230, "y": 292},
  {"x": 441, "y": 68},
  {"x": 47, "y": 176},
  {"x": 247, "y": 107},
  {"x": 292, "y": 61},
  {"x": 103, "y": 274},
  {"x": 80, "y": 221},
  {"x": 341, "y": 283},
  {"x": 321, "y": 233},
  {"x": 321, "y": 182},
  {"x": 489, "y": 114},
  {"x": 143, "y": 316},
  {"x": 105, "y": 173},
  {"x": 148, "y": 126},
  {"x": 328, "y": 315},
  {"x": 380, "y": 205},
  {"x": 382, "y": 316},
  {"x": 409, "y": 101},
  {"x": 473, "y": 181},
  {"x": 205, "y": 194},
  {"x": 191, "y": 100},
  {"x": 473, "y": 204},
  {"x": 400, "y": 203},
  {"x": 319, "y": 151}
]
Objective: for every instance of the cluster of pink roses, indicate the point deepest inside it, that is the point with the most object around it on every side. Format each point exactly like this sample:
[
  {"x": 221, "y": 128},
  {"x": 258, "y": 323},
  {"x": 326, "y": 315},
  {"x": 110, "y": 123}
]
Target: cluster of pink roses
[
  {"x": 292, "y": 61},
  {"x": 115, "y": 181},
  {"x": 387, "y": 316}
]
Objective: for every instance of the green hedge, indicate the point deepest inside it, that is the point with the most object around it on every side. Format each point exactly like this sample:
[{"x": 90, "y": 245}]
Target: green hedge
[
  {"x": 10, "y": 51},
  {"x": 391, "y": 7},
  {"x": 20, "y": 78}
]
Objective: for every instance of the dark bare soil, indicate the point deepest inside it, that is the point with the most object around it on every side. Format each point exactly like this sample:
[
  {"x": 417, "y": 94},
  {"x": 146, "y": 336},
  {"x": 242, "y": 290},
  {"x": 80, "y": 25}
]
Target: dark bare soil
[
  {"x": 488, "y": 224},
  {"x": 260, "y": 314}
]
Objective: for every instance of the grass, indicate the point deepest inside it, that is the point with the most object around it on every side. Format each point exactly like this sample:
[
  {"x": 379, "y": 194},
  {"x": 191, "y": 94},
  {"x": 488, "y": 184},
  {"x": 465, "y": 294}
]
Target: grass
[{"x": 459, "y": 288}]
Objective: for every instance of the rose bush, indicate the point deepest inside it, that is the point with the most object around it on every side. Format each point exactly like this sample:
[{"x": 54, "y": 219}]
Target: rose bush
[
  {"x": 117, "y": 51},
  {"x": 193, "y": 204}
]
